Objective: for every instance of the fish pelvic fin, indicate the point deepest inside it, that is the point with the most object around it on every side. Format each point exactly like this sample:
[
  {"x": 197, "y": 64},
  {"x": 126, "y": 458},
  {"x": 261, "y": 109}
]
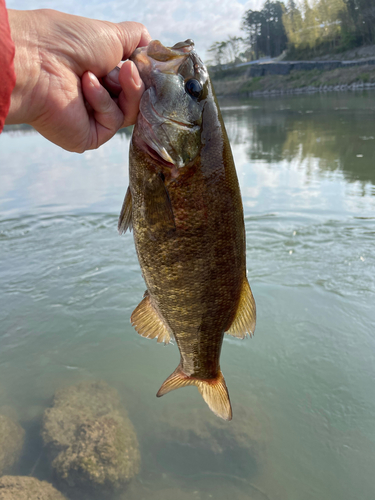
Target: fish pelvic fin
[
  {"x": 125, "y": 219},
  {"x": 214, "y": 391},
  {"x": 245, "y": 319},
  {"x": 148, "y": 323}
]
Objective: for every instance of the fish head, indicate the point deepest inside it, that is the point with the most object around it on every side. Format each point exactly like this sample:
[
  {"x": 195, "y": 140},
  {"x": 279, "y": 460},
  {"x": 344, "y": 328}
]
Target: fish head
[{"x": 170, "y": 116}]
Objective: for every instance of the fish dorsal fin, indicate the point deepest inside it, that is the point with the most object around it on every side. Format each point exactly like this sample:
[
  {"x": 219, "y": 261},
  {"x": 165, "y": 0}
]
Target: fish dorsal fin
[
  {"x": 148, "y": 323},
  {"x": 125, "y": 219},
  {"x": 157, "y": 203},
  {"x": 214, "y": 391},
  {"x": 244, "y": 321}
]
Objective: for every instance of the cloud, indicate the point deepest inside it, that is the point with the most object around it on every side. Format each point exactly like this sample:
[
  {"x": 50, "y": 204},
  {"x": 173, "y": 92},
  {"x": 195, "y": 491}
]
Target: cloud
[{"x": 170, "y": 21}]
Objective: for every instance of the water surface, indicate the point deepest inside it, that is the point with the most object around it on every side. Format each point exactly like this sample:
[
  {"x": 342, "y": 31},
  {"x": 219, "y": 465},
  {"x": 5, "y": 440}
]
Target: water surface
[{"x": 302, "y": 389}]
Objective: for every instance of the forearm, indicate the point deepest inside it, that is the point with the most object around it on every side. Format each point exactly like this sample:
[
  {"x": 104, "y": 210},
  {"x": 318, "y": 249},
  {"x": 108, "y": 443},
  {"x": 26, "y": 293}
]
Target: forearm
[
  {"x": 6, "y": 64},
  {"x": 26, "y": 65}
]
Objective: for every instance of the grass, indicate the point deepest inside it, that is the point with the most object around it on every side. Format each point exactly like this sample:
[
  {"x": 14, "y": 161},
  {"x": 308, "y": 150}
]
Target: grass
[
  {"x": 296, "y": 80},
  {"x": 364, "y": 77},
  {"x": 253, "y": 84}
]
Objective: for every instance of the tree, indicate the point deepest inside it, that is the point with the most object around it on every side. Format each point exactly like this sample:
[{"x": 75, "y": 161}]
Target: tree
[
  {"x": 234, "y": 45},
  {"x": 217, "y": 50},
  {"x": 265, "y": 28},
  {"x": 360, "y": 20},
  {"x": 252, "y": 24},
  {"x": 226, "y": 52},
  {"x": 293, "y": 24},
  {"x": 310, "y": 34},
  {"x": 318, "y": 23}
]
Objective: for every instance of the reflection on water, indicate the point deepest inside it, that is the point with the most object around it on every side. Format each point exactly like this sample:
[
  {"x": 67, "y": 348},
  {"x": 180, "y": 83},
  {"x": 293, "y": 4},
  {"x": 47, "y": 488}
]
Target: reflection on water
[
  {"x": 302, "y": 128},
  {"x": 302, "y": 390}
]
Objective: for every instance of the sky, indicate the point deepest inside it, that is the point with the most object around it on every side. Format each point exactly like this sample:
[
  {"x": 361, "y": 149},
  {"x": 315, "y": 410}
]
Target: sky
[{"x": 170, "y": 21}]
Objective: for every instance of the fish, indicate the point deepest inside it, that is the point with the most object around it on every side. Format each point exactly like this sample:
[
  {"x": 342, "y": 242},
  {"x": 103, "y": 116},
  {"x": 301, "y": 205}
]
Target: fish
[{"x": 184, "y": 206}]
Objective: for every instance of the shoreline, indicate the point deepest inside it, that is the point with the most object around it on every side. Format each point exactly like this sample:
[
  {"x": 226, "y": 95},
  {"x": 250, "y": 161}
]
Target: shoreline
[
  {"x": 233, "y": 83},
  {"x": 304, "y": 90}
]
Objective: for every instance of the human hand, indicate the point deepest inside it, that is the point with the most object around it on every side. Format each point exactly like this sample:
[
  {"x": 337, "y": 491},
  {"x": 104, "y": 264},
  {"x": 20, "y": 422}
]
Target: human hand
[{"x": 58, "y": 60}]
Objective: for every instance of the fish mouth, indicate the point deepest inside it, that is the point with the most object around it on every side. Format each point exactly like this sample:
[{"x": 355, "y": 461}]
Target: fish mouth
[
  {"x": 167, "y": 119},
  {"x": 158, "y": 52},
  {"x": 156, "y": 155},
  {"x": 156, "y": 57}
]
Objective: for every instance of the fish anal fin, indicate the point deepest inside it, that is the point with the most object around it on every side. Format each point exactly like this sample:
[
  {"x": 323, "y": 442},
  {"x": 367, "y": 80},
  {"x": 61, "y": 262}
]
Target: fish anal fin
[
  {"x": 125, "y": 219},
  {"x": 148, "y": 323},
  {"x": 214, "y": 391},
  {"x": 245, "y": 319}
]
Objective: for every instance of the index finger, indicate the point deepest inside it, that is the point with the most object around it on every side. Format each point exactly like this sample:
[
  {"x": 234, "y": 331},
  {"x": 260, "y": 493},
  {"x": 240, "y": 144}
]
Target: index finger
[{"x": 132, "y": 35}]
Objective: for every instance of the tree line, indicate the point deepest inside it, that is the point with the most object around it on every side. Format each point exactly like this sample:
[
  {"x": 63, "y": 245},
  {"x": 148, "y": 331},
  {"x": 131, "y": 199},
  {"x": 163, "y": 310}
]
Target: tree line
[{"x": 302, "y": 27}]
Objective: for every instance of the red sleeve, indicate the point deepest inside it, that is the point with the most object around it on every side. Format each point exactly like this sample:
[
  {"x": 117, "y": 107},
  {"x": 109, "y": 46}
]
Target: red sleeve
[{"x": 8, "y": 77}]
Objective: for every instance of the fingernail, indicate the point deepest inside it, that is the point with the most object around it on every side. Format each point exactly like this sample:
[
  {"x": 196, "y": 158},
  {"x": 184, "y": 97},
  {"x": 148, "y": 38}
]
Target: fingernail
[
  {"x": 94, "y": 81},
  {"x": 135, "y": 75},
  {"x": 113, "y": 75}
]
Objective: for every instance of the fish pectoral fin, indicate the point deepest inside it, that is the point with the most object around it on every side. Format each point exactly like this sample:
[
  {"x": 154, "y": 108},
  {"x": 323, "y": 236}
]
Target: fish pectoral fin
[
  {"x": 158, "y": 206},
  {"x": 245, "y": 319},
  {"x": 214, "y": 391},
  {"x": 125, "y": 219},
  {"x": 148, "y": 323}
]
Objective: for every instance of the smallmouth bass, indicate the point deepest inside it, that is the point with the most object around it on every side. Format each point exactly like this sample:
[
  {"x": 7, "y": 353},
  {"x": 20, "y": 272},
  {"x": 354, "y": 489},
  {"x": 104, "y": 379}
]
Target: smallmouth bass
[{"x": 184, "y": 206}]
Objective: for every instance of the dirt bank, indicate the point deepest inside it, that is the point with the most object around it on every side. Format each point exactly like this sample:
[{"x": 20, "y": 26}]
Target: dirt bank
[{"x": 352, "y": 78}]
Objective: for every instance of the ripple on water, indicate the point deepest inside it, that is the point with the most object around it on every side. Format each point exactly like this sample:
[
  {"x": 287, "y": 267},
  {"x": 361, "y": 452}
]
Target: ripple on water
[{"x": 336, "y": 255}]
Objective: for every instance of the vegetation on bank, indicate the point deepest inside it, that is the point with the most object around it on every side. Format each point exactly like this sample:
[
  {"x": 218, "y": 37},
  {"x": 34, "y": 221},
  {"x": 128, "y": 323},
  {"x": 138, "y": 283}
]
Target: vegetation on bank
[
  {"x": 298, "y": 29},
  {"x": 242, "y": 85}
]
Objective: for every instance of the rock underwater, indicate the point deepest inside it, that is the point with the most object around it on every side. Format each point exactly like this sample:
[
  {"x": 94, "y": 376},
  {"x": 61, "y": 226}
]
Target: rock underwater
[
  {"x": 27, "y": 488},
  {"x": 12, "y": 438},
  {"x": 91, "y": 441}
]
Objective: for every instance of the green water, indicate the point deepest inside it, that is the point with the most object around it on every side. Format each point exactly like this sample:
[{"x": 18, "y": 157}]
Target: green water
[{"x": 303, "y": 389}]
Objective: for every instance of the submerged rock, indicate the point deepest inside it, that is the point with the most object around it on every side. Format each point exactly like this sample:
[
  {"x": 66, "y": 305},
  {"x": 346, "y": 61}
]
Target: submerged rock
[
  {"x": 12, "y": 437},
  {"x": 197, "y": 428},
  {"x": 90, "y": 437},
  {"x": 27, "y": 488},
  {"x": 197, "y": 441}
]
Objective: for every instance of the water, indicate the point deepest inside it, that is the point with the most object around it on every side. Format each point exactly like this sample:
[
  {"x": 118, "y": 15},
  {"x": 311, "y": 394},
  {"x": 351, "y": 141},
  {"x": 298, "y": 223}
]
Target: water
[{"x": 302, "y": 389}]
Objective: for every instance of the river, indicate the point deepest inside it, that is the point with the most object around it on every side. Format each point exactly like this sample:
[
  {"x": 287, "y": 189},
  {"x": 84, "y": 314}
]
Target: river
[{"x": 303, "y": 389}]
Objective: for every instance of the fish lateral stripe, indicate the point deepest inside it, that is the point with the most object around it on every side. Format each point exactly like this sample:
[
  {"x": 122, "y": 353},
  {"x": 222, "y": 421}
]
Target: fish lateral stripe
[{"x": 214, "y": 391}]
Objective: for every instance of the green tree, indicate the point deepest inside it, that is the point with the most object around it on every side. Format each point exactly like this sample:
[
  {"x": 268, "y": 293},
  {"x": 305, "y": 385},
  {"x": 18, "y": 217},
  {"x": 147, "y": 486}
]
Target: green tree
[
  {"x": 316, "y": 24},
  {"x": 310, "y": 33},
  {"x": 265, "y": 28},
  {"x": 293, "y": 24},
  {"x": 359, "y": 20},
  {"x": 252, "y": 24}
]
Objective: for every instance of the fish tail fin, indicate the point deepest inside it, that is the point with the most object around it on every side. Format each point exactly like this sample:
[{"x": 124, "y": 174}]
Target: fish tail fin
[{"x": 214, "y": 391}]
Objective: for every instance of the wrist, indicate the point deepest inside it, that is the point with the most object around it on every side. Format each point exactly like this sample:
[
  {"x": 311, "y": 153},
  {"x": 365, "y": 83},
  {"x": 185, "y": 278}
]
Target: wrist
[{"x": 26, "y": 65}]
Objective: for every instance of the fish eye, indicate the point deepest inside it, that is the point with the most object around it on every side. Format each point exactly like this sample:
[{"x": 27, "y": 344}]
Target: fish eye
[{"x": 194, "y": 88}]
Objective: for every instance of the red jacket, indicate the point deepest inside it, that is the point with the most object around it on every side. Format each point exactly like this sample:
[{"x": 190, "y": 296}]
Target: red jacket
[{"x": 7, "y": 75}]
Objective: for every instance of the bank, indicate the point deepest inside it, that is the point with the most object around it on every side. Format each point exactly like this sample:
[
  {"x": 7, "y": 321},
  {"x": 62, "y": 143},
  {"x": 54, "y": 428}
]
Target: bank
[{"x": 240, "y": 82}]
